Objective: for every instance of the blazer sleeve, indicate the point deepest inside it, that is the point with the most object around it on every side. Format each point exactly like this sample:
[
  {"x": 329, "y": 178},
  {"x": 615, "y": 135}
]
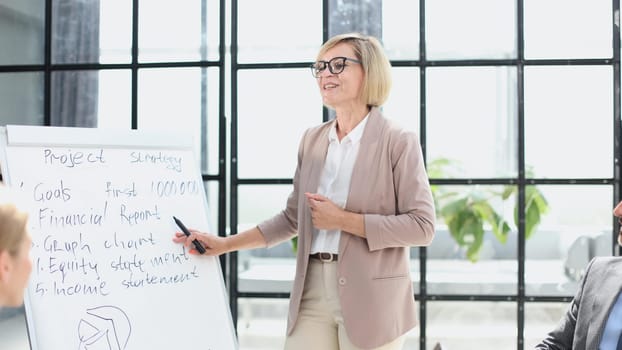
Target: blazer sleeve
[
  {"x": 562, "y": 337},
  {"x": 413, "y": 223}
]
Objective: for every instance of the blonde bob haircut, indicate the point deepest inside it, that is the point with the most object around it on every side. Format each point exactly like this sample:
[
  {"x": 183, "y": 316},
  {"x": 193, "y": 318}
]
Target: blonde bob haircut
[
  {"x": 12, "y": 223},
  {"x": 376, "y": 65}
]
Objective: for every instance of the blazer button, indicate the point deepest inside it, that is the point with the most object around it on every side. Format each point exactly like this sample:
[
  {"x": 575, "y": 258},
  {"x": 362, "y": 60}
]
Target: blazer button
[{"x": 342, "y": 281}]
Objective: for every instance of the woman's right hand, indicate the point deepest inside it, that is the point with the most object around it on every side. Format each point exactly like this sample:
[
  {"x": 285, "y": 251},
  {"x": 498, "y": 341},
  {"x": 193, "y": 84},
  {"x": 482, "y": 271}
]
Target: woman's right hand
[{"x": 214, "y": 245}]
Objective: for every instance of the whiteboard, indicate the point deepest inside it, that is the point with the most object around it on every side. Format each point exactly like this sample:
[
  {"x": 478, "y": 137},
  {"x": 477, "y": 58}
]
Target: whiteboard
[{"x": 106, "y": 274}]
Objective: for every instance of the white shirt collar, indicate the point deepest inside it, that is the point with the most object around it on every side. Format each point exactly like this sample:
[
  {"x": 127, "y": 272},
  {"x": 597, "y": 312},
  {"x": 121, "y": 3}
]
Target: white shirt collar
[{"x": 354, "y": 135}]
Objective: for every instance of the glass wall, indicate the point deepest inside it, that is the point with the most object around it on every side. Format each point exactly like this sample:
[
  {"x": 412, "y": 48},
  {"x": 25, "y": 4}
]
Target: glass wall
[
  {"x": 110, "y": 64},
  {"x": 518, "y": 114}
]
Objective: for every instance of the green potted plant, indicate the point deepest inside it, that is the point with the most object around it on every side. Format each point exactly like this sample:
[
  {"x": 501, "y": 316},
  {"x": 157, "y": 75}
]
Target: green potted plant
[{"x": 466, "y": 213}]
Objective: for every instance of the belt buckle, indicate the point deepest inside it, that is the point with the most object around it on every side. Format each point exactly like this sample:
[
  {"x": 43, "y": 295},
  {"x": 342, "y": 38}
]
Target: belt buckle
[{"x": 326, "y": 257}]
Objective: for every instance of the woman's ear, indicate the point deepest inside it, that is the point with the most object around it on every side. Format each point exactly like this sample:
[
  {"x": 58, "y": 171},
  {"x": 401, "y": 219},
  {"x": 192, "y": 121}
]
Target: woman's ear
[{"x": 6, "y": 264}]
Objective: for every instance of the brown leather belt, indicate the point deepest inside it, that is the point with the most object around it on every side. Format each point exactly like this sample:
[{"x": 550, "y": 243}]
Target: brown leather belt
[{"x": 324, "y": 257}]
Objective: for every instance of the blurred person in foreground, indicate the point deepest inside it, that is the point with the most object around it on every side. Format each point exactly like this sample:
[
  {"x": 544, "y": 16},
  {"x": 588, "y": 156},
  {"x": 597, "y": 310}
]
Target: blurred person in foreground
[
  {"x": 15, "y": 242},
  {"x": 361, "y": 198},
  {"x": 593, "y": 320}
]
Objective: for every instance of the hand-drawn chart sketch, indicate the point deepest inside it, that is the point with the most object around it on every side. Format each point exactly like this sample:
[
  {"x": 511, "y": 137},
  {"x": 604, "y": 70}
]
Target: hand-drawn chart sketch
[{"x": 104, "y": 328}]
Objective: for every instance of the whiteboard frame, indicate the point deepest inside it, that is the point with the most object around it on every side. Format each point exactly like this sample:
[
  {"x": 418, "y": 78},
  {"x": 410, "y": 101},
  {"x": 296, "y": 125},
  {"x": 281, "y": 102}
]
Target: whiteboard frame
[{"x": 51, "y": 136}]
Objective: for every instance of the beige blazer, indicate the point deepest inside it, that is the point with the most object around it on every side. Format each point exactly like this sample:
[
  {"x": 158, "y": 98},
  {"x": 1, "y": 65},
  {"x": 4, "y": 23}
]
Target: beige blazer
[{"x": 390, "y": 187}]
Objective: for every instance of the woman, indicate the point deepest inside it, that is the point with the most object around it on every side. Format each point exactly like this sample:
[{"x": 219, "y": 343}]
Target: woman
[
  {"x": 361, "y": 198},
  {"x": 15, "y": 242}
]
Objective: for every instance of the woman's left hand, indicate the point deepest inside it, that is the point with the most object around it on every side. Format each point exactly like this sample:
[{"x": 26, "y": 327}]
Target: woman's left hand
[{"x": 325, "y": 214}]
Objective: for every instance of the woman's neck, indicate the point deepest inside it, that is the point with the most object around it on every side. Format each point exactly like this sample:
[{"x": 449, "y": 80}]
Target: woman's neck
[{"x": 348, "y": 119}]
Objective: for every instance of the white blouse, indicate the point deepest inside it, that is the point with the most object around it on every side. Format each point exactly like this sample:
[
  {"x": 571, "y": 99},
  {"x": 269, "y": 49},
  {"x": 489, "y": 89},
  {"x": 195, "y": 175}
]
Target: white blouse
[{"x": 335, "y": 181}]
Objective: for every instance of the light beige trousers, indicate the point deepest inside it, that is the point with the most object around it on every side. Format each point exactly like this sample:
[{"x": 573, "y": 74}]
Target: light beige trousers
[{"x": 320, "y": 323}]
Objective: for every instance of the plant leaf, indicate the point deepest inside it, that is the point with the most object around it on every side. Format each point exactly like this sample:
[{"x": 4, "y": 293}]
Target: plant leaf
[
  {"x": 536, "y": 206},
  {"x": 500, "y": 227},
  {"x": 532, "y": 219},
  {"x": 436, "y": 167},
  {"x": 475, "y": 246},
  {"x": 536, "y": 196},
  {"x": 454, "y": 207},
  {"x": 507, "y": 192}
]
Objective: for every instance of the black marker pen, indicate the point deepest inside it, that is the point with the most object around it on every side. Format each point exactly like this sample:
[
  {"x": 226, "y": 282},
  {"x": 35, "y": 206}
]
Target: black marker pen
[{"x": 196, "y": 243}]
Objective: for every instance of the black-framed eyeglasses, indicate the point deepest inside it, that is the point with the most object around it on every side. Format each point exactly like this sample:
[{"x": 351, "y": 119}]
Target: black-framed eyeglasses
[{"x": 336, "y": 65}]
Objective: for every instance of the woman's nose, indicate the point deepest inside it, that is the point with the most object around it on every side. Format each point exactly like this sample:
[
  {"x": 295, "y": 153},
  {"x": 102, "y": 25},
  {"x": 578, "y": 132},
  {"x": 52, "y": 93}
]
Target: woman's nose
[{"x": 325, "y": 72}]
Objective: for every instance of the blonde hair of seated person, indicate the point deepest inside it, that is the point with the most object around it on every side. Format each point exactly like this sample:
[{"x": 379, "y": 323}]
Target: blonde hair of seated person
[{"x": 15, "y": 243}]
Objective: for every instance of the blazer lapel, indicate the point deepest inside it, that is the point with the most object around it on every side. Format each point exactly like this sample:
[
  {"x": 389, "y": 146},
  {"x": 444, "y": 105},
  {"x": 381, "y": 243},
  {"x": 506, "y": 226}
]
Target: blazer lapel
[
  {"x": 362, "y": 167},
  {"x": 318, "y": 158}
]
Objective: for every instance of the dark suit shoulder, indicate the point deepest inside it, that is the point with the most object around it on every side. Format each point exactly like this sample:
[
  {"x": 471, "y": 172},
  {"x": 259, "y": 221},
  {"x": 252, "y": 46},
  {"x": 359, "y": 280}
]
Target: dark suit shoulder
[
  {"x": 605, "y": 261},
  {"x": 600, "y": 267}
]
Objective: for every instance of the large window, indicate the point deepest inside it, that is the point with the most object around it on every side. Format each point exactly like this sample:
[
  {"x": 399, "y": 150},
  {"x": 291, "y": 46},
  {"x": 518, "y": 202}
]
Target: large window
[
  {"x": 516, "y": 104},
  {"x": 513, "y": 110},
  {"x": 142, "y": 65}
]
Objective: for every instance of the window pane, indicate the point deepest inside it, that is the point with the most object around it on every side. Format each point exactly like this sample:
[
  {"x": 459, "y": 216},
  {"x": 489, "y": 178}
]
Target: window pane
[
  {"x": 187, "y": 31},
  {"x": 91, "y": 32},
  {"x": 493, "y": 266},
  {"x": 347, "y": 16},
  {"x": 568, "y": 29},
  {"x": 211, "y": 193},
  {"x": 264, "y": 269},
  {"x": 21, "y": 98},
  {"x": 540, "y": 319},
  {"x": 415, "y": 272},
  {"x": 75, "y": 31},
  {"x": 252, "y": 210},
  {"x": 177, "y": 93},
  {"x": 472, "y": 325},
  {"x": 171, "y": 98},
  {"x": 74, "y": 98},
  {"x": 395, "y": 23},
  {"x": 95, "y": 98},
  {"x": 457, "y": 29},
  {"x": 403, "y": 103},
  {"x": 400, "y": 29},
  {"x": 262, "y": 323},
  {"x": 115, "y": 31},
  {"x": 211, "y": 136},
  {"x": 569, "y": 121},
  {"x": 295, "y": 36},
  {"x": 471, "y": 120},
  {"x": 577, "y": 227},
  {"x": 21, "y": 32},
  {"x": 265, "y": 149},
  {"x": 115, "y": 99}
]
